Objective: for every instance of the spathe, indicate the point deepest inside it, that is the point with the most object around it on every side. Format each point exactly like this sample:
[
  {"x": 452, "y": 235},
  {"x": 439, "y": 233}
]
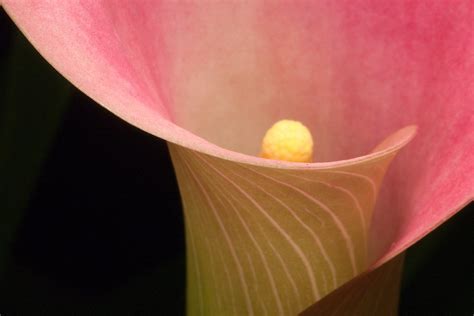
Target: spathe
[{"x": 352, "y": 71}]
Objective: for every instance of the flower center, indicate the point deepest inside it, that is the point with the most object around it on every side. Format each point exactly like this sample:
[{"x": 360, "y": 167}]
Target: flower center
[{"x": 288, "y": 140}]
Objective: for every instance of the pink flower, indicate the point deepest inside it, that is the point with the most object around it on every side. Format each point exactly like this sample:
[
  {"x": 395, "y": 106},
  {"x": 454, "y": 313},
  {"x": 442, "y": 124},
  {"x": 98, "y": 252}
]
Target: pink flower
[{"x": 210, "y": 78}]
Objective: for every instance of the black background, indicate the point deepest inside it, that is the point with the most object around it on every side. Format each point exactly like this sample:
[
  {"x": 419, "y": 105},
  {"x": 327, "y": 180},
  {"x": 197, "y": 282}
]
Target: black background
[{"x": 102, "y": 231}]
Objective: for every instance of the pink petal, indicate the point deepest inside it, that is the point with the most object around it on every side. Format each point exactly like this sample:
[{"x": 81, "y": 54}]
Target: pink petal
[{"x": 350, "y": 70}]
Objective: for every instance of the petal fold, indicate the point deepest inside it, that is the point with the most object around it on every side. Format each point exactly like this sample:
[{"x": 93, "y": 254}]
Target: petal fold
[{"x": 372, "y": 293}]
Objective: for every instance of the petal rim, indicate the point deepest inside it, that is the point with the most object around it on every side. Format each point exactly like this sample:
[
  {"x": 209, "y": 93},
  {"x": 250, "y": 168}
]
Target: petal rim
[
  {"x": 423, "y": 231},
  {"x": 169, "y": 131}
]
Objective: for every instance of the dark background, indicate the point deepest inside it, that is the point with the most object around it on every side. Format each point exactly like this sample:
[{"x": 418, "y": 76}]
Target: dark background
[{"x": 90, "y": 213}]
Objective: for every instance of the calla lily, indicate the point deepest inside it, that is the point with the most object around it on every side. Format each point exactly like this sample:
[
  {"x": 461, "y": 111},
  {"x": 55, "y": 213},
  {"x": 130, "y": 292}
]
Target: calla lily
[{"x": 272, "y": 237}]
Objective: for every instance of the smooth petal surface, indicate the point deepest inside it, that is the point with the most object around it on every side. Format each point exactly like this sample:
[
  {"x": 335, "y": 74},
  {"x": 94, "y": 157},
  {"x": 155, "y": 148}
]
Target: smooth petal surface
[{"x": 213, "y": 76}]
